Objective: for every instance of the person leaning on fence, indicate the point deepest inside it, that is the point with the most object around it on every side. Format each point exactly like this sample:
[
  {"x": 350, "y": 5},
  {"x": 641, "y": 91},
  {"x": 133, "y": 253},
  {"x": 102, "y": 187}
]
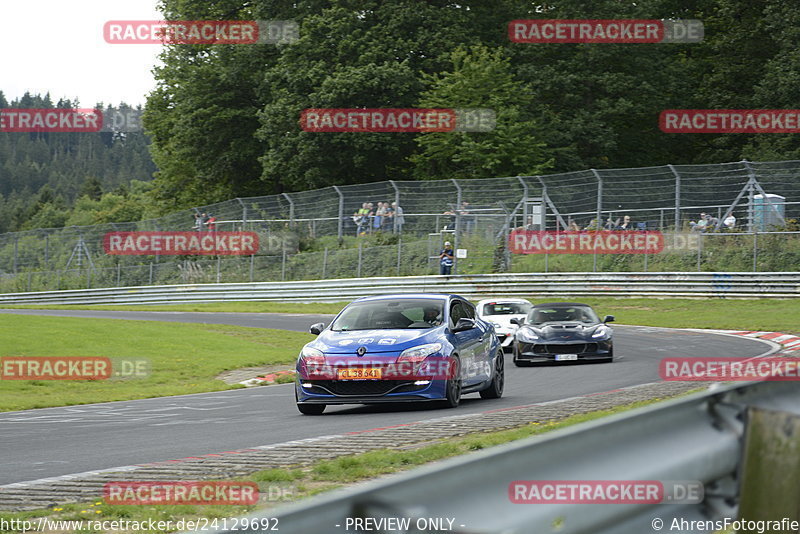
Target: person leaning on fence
[
  {"x": 361, "y": 218},
  {"x": 446, "y": 259},
  {"x": 198, "y": 221},
  {"x": 380, "y": 214},
  {"x": 399, "y": 220},
  {"x": 211, "y": 223},
  {"x": 627, "y": 224},
  {"x": 729, "y": 222}
]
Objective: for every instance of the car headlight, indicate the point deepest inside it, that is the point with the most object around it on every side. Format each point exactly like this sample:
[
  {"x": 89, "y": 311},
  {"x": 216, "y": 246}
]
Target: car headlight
[
  {"x": 527, "y": 335},
  {"x": 602, "y": 331},
  {"x": 420, "y": 352},
  {"x": 310, "y": 354}
]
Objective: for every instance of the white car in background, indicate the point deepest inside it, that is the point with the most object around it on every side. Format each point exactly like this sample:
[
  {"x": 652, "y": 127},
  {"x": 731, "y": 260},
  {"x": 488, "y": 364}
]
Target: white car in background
[{"x": 499, "y": 312}]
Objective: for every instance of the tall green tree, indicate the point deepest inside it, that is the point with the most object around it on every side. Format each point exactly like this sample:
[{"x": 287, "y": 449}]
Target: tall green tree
[{"x": 481, "y": 79}]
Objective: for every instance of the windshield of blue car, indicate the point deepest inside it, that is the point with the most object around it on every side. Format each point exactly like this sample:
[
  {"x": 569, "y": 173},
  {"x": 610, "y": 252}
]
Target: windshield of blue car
[
  {"x": 390, "y": 315},
  {"x": 561, "y": 314},
  {"x": 507, "y": 308}
]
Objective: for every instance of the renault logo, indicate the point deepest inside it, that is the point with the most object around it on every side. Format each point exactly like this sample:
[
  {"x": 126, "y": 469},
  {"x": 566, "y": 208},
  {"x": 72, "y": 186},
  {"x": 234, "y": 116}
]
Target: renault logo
[{"x": 361, "y": 350}]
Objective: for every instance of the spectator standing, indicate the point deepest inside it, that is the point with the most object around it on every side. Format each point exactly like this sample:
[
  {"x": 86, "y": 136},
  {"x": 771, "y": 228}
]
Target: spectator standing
[
  {"x": 211, "y": 223},
  {"x": 729, "y": 222},
  {"x": 626, "y": 223},
  {"x": 361, "y": 218},
  {"x": 573, "y": 226},
  {"x": 446, "y": 259},
  {"x": 399, "y": 220},
  {"x": 380, "y": 213},
  {"x": 204, "y": 221},
  {"x": 198, "y": 221}
]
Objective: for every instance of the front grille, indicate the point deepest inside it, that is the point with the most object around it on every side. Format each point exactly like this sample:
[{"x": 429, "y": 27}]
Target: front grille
[
  {"x": 574, "y": 348},
  {"x": 364, "y": 387}
]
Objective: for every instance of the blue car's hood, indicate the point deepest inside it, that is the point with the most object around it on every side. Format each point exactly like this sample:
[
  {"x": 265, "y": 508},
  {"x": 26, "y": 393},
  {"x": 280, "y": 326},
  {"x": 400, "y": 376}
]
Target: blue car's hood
[{"x": 331, "y": 342}]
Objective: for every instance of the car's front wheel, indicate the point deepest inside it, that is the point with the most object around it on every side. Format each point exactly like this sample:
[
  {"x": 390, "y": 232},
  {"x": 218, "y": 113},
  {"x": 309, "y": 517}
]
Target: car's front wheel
[
  {"x": 495, "y": 390},
  {"x": 453, "y": 386},
  {"x": 309, "y": 409}
]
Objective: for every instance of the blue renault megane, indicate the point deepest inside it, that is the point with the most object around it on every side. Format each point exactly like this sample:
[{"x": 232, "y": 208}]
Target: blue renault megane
[{"x": 400, "y": 348}]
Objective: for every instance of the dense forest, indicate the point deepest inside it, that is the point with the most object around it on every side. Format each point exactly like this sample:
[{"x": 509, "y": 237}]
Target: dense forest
[
  {"x": 224, "y": 119},
  {"x": 49, "y": 180}
]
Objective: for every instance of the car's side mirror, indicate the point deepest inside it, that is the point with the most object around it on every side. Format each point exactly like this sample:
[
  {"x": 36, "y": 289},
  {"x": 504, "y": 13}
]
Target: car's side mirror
[
  {"x": 463, "y": 324},
  {"x": 515, "y": 321},
  {"x": 316, "y": 328},
  {"x": 608, "y": 319}
]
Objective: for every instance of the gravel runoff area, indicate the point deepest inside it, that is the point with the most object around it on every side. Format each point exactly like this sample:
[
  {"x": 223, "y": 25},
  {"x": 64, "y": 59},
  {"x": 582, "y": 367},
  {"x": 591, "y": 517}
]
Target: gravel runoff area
[{"x": 87, "y": 486}]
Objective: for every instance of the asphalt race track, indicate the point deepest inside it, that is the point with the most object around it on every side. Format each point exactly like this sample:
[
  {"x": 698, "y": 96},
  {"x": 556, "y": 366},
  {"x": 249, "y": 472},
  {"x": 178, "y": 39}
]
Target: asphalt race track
[{"x": 60, "y": 441}]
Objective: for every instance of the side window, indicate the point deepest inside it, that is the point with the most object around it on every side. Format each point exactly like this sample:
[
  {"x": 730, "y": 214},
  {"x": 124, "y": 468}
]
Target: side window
[{"x": 456, "y": 313}]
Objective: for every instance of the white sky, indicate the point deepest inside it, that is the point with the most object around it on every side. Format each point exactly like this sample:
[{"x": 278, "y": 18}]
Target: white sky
[{"x": 57, "y": 46}]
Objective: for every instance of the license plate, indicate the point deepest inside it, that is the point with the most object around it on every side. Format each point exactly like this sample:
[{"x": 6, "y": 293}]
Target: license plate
[
  {"x": 369, "y": 373},
  {"x": 566, "y": 357}
]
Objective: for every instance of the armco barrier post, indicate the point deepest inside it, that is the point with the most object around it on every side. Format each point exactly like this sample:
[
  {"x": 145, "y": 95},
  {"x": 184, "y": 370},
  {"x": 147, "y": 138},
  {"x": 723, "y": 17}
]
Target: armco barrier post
[
  {"x": 324, "y": 263},
  {"x": 771, "y": 466},
  {"x": 358, "y": 271}
]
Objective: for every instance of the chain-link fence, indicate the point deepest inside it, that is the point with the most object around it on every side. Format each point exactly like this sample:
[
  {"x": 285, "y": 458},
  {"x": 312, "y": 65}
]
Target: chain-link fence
[{"x": 320, "y": 234}]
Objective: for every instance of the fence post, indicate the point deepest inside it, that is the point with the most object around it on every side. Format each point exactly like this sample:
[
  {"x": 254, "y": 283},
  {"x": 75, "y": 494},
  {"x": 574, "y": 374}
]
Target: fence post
[
  {"x": 677, "y": 198},
  {"x": 16, "y": 245},
  {"x": 324, "y": 263},
  {"x": 397, "y": 205},
  {"x": 46, "y": 250},
  {"x": 151, "y": 273},
  {"x": 119, "y": 273},
  {"x": 88, "y": 277},
  {"x": 58, "y": 279},
  {"x": 283, "y": 266},
  {"x": 546, "y": 261},
  {"x": 458, "y": 226},
  {"x": 244, "y": 213},
  {"x": 599, "y": 198},
  {"x": 755, "y": 251},
  {"x": 358, "y": 272},
  {"x": 252, "y": 266},
  {"x": 770, "y": 465},
  {"x": 699, "y": 249},
  {"x": 399, "y": 252},
  {"x": 291, "y": 209},
  {"x": 219, "y": 261},
  {"x": 340, "y": 227}
]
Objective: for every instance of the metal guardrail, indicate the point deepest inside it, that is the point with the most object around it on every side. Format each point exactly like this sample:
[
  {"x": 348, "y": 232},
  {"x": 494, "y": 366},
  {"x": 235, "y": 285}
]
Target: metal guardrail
[
  {"x": 672, "y": 284},
  {"x": 698, "y": 438}
]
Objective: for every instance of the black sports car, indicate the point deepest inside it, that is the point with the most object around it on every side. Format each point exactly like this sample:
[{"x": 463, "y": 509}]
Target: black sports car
[{"x": 563, "y": 332}]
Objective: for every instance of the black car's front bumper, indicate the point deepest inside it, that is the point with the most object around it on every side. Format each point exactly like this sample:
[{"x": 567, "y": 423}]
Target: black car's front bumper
[{"x": 543, "y": 352}]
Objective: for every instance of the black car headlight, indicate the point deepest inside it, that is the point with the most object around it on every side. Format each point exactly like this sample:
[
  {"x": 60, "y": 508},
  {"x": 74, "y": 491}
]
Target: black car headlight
[
  {"x": 527, "y": 335},
  {"x": 602, "y": 332}
]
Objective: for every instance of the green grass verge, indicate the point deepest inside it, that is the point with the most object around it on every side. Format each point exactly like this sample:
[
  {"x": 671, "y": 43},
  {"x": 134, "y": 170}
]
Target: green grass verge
[
  {"x": 726, "y": 314},
  {"x": 240, "y": 307},
  {"x": 184, "y": 358},
  {"x": 302, "y": 482}
]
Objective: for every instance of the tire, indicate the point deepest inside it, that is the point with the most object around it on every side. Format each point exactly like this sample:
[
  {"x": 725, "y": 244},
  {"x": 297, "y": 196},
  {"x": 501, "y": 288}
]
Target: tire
[
  {"x": 453, "y": 387},
  {"x": 311, "y": 409},
  {"x": 519, "y": 363},
  {"x": 495, "y": 389}
]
